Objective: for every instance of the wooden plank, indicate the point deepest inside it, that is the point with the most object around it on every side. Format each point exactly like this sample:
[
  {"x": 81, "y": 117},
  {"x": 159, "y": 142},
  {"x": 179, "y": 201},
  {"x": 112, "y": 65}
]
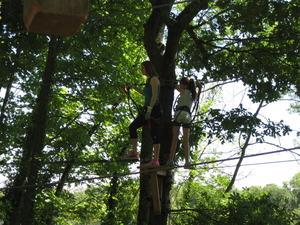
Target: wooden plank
[
  {"x": 160, "y": 187},
  {"x": 155, "y": 193},
  {"x": 162, "y": 172},
  {"x": 127, "y": 160},
  {"x": 145, "y": 166}
]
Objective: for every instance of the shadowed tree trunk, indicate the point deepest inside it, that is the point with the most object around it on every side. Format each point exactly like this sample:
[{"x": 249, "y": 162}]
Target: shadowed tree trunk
[
  {"x": 6, "y": 98},
  {"x": 23, "y": 199},
  {"x": 165, "y": 65},
  {"x": 36, "y": 135},
  {"x": 145, "y": 192}
]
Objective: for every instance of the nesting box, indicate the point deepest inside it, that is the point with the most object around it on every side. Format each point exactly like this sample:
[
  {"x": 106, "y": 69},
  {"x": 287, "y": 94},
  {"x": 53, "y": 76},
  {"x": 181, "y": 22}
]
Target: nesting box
[{"x": 55, "y": 17}]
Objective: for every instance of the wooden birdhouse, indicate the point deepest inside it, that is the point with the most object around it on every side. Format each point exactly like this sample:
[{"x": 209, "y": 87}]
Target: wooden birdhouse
[{"x": 55, "y": 17}]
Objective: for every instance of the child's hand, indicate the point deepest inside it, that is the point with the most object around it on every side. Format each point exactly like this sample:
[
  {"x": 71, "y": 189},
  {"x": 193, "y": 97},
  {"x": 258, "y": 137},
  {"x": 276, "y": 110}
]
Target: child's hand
[
  {"x": 148, "y": 113},
  {"x": 130, "y": 85},
  {"x": 199, "y": 84}
]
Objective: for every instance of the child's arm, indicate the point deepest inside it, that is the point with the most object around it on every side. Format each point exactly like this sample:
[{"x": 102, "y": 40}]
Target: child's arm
[
  {"x": 137, "y": 89},
  {"x": 199, "y": 86},
  {"x": 181, "y": 90}
]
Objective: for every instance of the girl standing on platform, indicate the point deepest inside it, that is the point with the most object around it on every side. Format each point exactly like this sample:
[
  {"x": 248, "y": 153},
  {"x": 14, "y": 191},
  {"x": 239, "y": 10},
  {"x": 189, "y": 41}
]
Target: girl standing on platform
[
  {"x": 151, "y": 92},
  {"x": 182, "y": 117}
]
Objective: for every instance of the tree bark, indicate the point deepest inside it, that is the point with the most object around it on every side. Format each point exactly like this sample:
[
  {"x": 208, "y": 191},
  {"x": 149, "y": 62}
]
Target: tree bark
[
  {"x": 6, "y": 98},
  {"x": 34, "y": 145},
  {"x": 165, "y": 66},
  {"x": 22, "y": 200},
  {"x": 145, "y": 192}
]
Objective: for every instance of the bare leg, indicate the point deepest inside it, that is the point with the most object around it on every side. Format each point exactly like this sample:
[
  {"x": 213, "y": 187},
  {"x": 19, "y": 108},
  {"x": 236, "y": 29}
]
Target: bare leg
[
  {"x": 174, "y": 142},
  {"x": 186, "y": 144},
  {"x": 156, "y": 148},
  {"x": 134, "y": 145}
]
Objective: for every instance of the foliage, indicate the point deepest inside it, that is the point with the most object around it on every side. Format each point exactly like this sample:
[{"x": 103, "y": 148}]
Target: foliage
[
  {"x": 89, "y": 205},
  {"x": 258, "y": 209},
  {"x": 253, "y": 42},
  {"x": 225, "y": 125},
  {"x": 255, "y": 205}
]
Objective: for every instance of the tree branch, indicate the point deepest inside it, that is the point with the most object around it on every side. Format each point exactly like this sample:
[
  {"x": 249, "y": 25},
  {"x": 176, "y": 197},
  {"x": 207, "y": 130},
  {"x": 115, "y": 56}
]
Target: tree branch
[{"x": 243, "y": 152}]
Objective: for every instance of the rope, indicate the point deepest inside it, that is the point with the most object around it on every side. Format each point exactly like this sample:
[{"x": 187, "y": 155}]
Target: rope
[
  {"x": 127, "y": 91},
  {"x": 147, "y": 171},
  {"x": 196, "y": 106}
]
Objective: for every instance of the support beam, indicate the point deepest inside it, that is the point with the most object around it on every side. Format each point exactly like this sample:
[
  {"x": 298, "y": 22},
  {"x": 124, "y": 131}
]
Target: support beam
[{"x": 156, "y": 183}]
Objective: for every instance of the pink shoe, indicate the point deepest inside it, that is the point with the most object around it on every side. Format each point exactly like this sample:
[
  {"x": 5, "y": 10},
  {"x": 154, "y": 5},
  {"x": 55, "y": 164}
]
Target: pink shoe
[
  {"x": 153, "y": 163},
  {"x": 131, "y": 155}
]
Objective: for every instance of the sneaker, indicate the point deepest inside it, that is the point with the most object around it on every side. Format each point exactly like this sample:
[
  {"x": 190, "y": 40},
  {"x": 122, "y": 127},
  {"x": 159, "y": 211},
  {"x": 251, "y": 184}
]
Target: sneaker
[
  {"x": 131, "y": 155},
  {"x": 153, "y": 163},
  {"x": 170, "y": 163},
  {"x": 188, "y": 166}
]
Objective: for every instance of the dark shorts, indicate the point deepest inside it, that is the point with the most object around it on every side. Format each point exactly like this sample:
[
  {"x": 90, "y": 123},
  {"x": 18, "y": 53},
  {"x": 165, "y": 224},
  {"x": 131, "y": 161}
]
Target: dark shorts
[
  {"x": 153, "y": 124},
  {"x": 182, "y": 118}
]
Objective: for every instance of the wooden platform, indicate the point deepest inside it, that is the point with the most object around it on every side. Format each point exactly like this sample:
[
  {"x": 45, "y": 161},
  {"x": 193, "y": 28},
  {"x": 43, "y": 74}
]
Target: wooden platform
[
  {"x": 160, "y": 170},
  {"x": 127, "y": 160}
]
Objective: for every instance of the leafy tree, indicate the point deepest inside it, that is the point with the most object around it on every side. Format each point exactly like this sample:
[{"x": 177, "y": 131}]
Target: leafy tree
[
  {"x": 258, "y": 209},
  {"x": 207, "y": 204},
  {"x": 56, "y": 114},
  {"x": 228, "y": 46}
]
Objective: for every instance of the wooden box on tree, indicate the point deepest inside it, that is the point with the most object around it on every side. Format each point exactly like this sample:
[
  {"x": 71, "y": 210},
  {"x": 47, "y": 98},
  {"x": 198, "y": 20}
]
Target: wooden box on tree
[{"x": 55, "y": 17}]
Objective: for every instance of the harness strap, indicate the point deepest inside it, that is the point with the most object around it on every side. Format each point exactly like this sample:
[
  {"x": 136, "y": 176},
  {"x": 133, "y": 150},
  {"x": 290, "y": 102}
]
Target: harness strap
[
  {"x": 127, "y": 91},
  {"x": 183, "y": 108},
  {"x": 155, "y": 119}
]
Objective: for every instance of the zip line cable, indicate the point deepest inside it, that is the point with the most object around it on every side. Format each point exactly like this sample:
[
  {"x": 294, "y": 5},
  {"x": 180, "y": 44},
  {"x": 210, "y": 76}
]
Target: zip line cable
[
  {"x": 262, "y": 163},
  {"x": 65, "y": 162},
  {"x": 132, "y": 160},
  {"x": 153, "y": 170}
]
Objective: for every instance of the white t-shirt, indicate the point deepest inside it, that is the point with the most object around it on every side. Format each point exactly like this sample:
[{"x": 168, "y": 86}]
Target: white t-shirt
[{"x": 185, "y": 99}]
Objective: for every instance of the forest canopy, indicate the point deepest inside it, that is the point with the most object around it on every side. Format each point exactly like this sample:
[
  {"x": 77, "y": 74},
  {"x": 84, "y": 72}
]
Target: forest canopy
[{"x": 65, "y": 113}]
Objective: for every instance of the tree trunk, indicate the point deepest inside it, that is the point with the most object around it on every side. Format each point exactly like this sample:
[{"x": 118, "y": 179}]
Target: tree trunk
[
  {"x": 6, "y": 98},
  {"x": 145, "y": 191},
  {"x": 22, "y": 199},
  {"x": 165, "y": 66}
]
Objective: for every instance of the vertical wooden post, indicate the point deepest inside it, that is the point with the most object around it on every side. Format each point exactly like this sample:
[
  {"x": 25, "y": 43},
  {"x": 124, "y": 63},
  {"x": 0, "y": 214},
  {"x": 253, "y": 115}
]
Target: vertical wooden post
[
  {"x": 156, "y": 184},
  {"x": 155, "y": 193}
]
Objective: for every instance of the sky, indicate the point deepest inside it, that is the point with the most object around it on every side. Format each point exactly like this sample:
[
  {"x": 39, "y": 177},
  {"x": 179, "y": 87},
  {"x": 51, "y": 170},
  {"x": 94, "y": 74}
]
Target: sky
[{"x": 271, "y": 168}]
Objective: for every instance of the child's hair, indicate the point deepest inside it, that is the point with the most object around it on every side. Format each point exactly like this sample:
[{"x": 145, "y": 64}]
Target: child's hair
[
  {"x": 190, "y": 85},
  {"x": 150, "y": 69}
]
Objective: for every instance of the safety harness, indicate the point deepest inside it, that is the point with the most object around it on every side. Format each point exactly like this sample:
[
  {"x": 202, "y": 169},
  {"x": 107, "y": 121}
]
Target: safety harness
[{"x": 186, "y": 108}]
